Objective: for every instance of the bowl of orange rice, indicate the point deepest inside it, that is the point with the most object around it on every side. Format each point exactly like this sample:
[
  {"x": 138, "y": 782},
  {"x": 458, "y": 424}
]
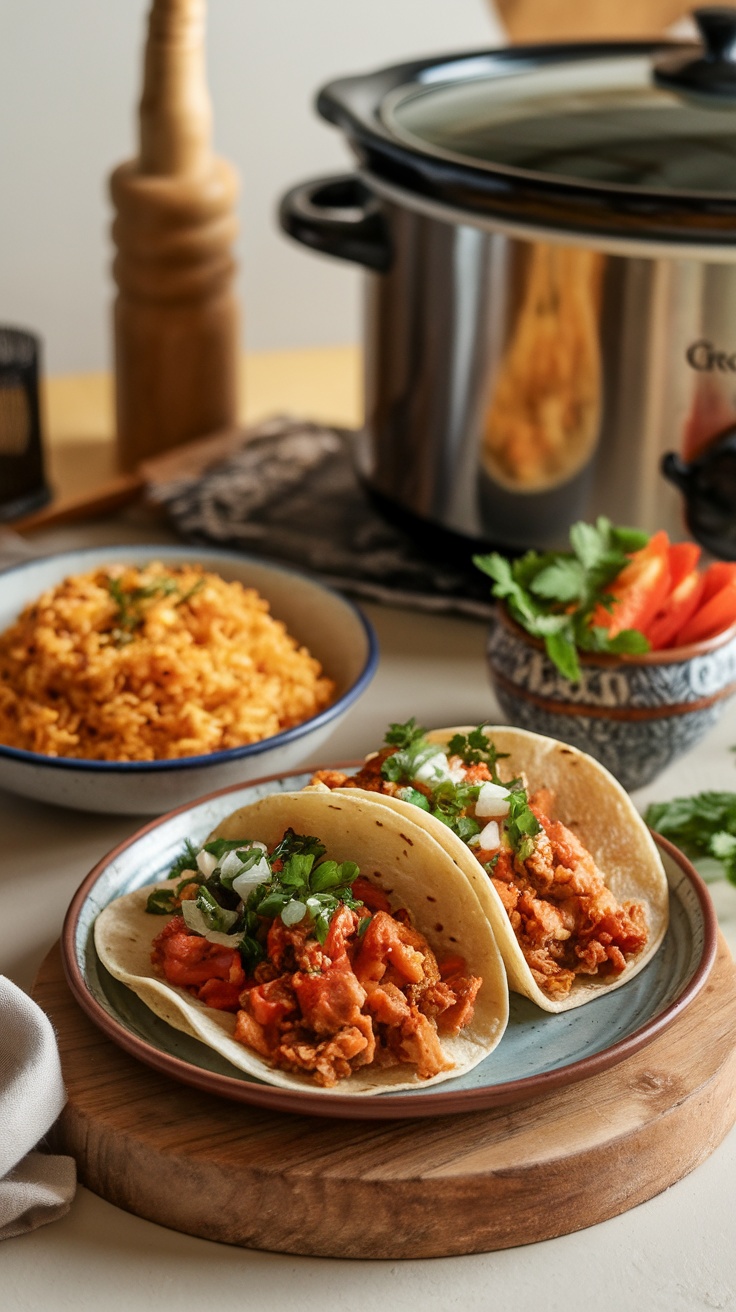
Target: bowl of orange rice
[{"x": 135, "y": 679}]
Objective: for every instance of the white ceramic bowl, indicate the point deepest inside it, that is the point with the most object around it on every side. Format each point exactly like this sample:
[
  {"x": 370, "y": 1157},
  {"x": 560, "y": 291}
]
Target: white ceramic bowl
[{"x": 334, "y": 630}]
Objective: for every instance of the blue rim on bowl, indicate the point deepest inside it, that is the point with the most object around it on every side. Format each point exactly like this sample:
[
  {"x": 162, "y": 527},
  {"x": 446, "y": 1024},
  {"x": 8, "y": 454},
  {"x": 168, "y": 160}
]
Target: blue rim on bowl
[{"x": 200, "y": 554}]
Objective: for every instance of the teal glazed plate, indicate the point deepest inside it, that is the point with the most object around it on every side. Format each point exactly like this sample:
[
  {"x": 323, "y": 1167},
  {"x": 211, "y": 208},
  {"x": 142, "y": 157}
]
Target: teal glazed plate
[{"x": 539, "y": 1051}]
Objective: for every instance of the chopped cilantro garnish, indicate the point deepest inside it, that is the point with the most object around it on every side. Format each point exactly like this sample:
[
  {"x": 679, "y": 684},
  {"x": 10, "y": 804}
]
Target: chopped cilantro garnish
[
  {"x": 411, "y": 751},
  {"x": 476, "y": 748},
  {"x": 165, "y": 901},
  {"x": 415, "y": 797},
  {"x": 522, "y": 825},
  {"x": 404, "y": 736},
  {"x": 162, "y": 902},
  {"x": 303, "y": 885},
  {"x": 449, "y": 802},
  {"x": 131, "y": 603},
  {"x": 554, "y": 594},
  {"x": 187, "y": 860},
  {"x": 292, "y": 842},
  {"x": 214, "y": 915}
]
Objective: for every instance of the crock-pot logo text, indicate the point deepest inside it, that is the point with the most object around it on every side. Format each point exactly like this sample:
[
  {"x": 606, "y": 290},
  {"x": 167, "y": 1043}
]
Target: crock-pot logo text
[{"x": 705, "y": 357}]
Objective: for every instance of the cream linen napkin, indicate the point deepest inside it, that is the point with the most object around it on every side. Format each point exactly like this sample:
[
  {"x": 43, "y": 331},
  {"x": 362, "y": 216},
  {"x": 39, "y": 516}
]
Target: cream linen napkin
[{"x": 34, "y": 1187}]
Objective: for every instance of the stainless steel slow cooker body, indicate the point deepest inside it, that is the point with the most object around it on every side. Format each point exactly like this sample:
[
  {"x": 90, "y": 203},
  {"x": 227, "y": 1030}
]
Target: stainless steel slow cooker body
[{"x": 539, "y": 348}]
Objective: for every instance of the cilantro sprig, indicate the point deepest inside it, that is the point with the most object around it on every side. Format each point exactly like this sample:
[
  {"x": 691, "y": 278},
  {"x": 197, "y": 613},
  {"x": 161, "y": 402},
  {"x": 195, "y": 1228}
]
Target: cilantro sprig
[
  {"x": 476, "y": 748},
  {"x": 131, "y": 603},
  {"x": 411, "y": 750},
  {"x": 553, "y": 595},
  {"x": 165, "y": 901},
  {"x": 703, "y": 825},
  {"x": 522, "y": 825}
]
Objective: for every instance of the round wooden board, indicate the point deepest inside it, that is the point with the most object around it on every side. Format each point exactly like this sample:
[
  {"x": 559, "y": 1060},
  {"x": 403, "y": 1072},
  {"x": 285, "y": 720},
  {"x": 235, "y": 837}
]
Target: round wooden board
[{"x": 409, "y": 1189}]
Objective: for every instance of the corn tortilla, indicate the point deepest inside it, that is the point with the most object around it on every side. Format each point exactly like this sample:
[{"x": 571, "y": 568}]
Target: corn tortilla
[
  {"x": 597, "y": 809},
  {"x": 398, "y": 855}
]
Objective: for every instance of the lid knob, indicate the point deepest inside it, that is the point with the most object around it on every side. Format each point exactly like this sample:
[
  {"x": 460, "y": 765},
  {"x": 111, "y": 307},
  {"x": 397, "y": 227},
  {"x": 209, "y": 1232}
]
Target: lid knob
[
  {"x": 707, "y": 71},
  {"x": 717, "y": 28}
]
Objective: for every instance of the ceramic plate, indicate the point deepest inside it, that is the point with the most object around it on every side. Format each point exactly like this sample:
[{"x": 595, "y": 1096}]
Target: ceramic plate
[{"x": 538, "y": 1052}]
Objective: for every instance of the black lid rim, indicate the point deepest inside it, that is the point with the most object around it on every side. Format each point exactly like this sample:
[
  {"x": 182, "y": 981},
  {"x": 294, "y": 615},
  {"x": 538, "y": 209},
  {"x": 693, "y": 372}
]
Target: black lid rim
[{"x": 503, "y": 191}]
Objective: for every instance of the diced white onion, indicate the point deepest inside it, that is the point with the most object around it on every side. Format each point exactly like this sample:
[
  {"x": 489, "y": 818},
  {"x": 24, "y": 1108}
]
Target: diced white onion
[
  {"x": 492, "y": 800},
  {"x": 489, "y": 838},
  {"x": 230, "y": 865},
  {"x": 457, "y": 774},
  {"x": 434, "y": 770},
  {"x": 206, "y": 863},
  {"x": 194, "y": 919},
  {"x": 293, "y": 912},
  {"x": 258, "y": 874}
]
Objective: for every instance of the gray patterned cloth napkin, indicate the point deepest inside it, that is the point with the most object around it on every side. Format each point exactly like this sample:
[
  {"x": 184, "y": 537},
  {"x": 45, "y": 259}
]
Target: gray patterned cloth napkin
[{"x": 290, "y": 493}]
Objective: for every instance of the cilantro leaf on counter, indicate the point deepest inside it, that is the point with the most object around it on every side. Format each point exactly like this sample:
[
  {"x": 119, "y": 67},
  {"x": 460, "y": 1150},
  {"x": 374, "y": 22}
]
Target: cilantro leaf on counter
[
  {"x": 703, "y": 825},
  {"x": 553, "y": 594}
]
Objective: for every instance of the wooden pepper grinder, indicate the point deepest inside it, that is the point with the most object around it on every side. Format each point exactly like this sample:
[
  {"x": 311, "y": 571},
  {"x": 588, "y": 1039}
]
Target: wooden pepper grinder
[{"x": 176, "y": 317}]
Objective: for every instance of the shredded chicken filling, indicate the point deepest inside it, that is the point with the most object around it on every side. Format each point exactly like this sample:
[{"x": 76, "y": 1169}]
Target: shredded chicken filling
[
  {"x": 373, "y": 998},
  {"x": 566, "y": 921}
]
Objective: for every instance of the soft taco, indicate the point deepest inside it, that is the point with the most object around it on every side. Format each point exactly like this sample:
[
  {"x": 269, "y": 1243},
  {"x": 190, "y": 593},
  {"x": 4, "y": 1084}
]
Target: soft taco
[
  {"x": 317, "y": 940},
  {"x": 563, "y": 865}
]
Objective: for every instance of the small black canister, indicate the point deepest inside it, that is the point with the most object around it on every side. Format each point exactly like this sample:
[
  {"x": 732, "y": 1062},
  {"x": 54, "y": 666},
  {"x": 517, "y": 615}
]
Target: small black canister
[{"x": 22, "y": 484}]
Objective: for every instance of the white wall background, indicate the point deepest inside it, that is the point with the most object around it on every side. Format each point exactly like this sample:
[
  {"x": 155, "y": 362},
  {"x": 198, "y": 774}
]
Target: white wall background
[{"x": 70, "y": 73}]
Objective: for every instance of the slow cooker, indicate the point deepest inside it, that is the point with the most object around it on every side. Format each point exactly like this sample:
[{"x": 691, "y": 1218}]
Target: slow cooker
[{"x": 549, "y": 234}]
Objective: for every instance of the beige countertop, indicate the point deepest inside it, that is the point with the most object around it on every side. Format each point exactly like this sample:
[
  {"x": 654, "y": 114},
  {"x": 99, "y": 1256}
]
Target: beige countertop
[
  {"x": 673, "y": 1254},
  {"x": 78, "y": 410}
]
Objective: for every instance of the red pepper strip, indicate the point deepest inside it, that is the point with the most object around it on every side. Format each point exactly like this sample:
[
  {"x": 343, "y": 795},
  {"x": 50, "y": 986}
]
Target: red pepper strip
[
  {"x": 717, "y": 576},
  {"x": 639, "y": 590},
  {"x": 683, "y": 558},
  {"x": 711, "y": 618},
  {"x": 679, "y": 606}
]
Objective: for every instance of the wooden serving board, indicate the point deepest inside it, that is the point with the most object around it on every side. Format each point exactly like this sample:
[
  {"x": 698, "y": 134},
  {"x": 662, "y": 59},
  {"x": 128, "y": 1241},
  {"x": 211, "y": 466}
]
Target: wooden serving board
[{"x": 425, "y": 1188}]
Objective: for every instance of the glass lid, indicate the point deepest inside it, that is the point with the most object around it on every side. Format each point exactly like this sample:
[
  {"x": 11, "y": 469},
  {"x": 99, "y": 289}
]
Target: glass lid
[{"x": 601, "y": 121}]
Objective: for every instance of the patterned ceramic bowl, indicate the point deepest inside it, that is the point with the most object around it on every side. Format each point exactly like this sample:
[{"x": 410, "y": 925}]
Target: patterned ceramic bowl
[{"x": 635, "y": 714}]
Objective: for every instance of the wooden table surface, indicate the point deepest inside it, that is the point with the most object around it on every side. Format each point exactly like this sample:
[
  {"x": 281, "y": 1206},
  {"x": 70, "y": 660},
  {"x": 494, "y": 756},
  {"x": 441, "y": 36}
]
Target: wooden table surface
[{"x": 79, "y": 422}]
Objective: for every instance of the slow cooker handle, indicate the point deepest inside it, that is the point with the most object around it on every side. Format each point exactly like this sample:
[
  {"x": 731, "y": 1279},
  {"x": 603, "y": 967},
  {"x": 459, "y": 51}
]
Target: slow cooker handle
[
  {"x": 708, "y": 486},
  {"x": 338, "y": 216}
]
